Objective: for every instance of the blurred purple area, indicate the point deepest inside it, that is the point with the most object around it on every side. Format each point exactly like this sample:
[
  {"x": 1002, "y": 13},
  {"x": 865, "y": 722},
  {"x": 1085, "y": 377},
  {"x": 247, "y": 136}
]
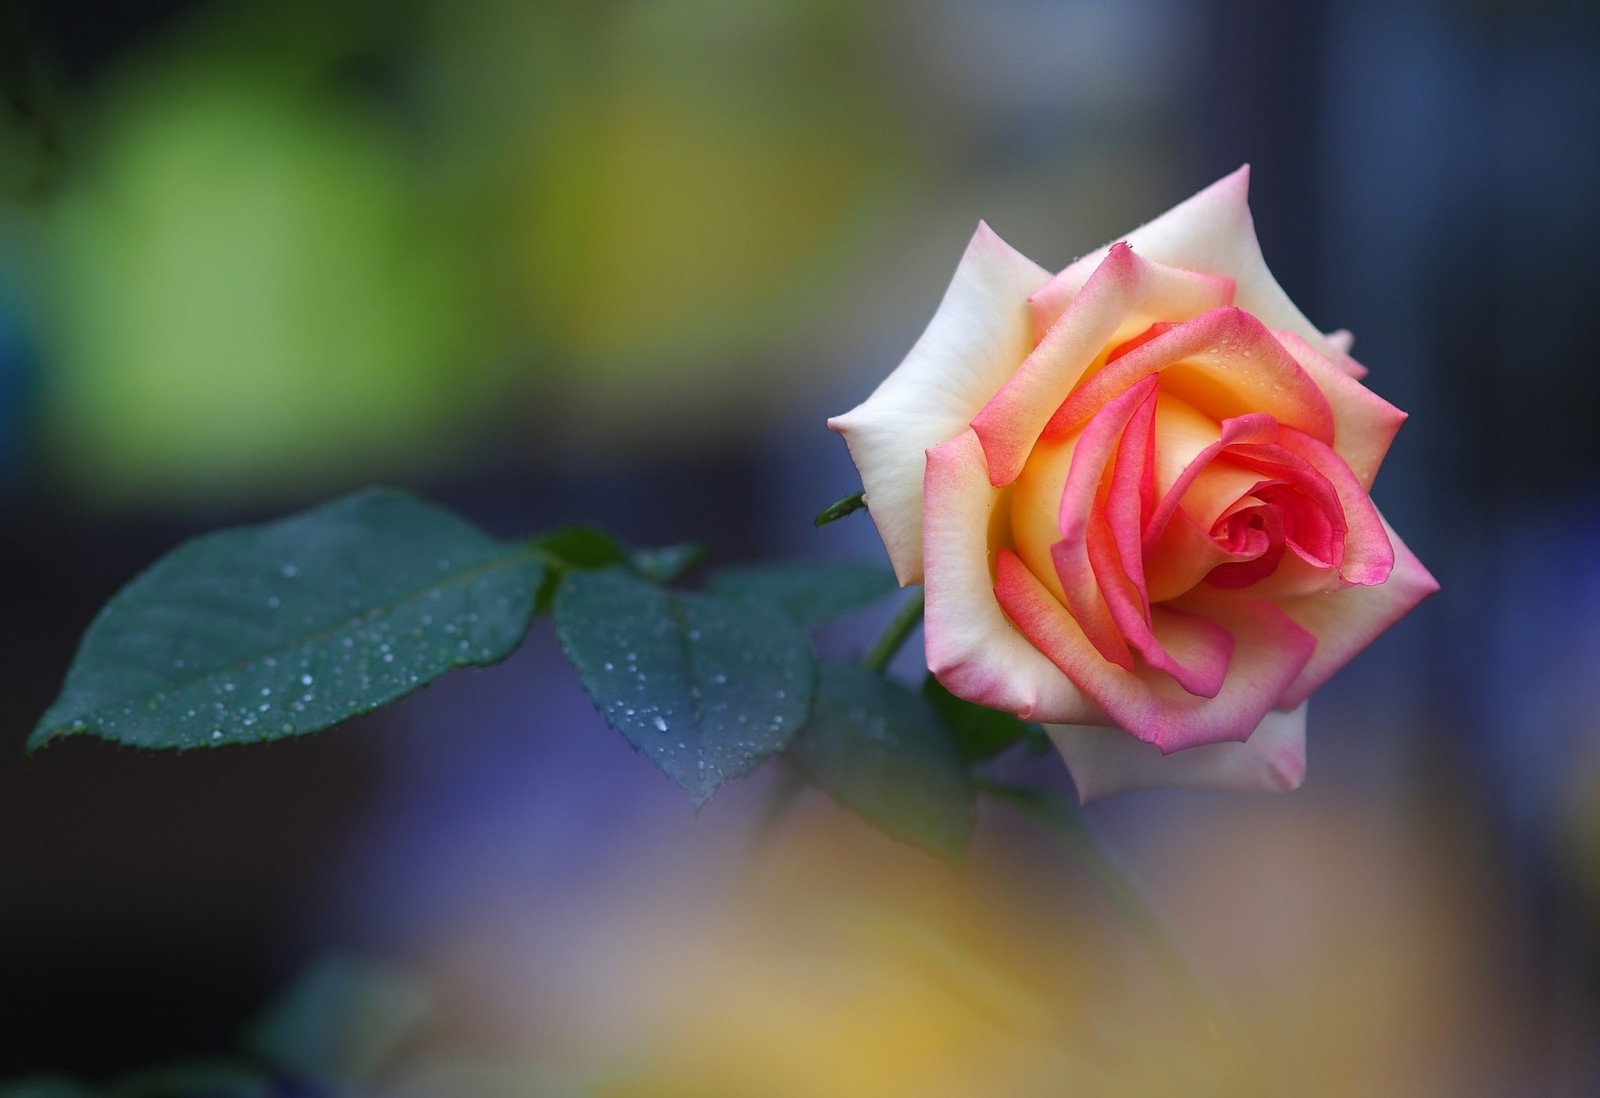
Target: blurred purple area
[{"x": 617, "y": 263}]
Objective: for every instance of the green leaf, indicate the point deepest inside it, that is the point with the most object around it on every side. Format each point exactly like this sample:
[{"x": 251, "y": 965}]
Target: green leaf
[
  {"x": 809, "y": 592},
  {"x": 589, "y": 548},
  {"x": 263, "y": 632},
  {"x": 885, "y": 754},
  {"x": 573, "y": 547},
  {"x": 838, "y": 509},
  {"x": 341, "y": 1023},
  {"x": 669, "y": 562},
  {"x": 582, "y": 547},
  {"x": 982, "y": 733},
  {"x": 706, "y": 687}
]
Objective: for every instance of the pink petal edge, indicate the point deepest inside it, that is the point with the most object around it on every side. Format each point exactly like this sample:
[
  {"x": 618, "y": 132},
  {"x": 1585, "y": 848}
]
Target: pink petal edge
[
  {"x": 971, "y": 647},
  {"x": 1270, "y": 651}
]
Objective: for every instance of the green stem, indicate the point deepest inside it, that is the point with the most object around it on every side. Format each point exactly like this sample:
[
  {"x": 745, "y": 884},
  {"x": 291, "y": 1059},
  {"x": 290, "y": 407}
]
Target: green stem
[
  {"x": 894, "y": 634},
  {"x": 1063, "y": 820}
]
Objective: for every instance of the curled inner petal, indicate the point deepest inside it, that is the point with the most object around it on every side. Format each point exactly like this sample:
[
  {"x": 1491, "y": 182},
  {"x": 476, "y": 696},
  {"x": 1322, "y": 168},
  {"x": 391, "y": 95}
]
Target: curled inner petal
[
  {"x": 1270, "y": 652},
  {"x": 1225, "y": 361},
  {"x": 1124, "y": 296}
]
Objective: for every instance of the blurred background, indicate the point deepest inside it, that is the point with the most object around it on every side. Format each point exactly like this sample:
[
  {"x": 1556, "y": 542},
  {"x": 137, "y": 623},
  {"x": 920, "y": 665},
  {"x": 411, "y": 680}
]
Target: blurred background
[{"x": 616, "y": 262}]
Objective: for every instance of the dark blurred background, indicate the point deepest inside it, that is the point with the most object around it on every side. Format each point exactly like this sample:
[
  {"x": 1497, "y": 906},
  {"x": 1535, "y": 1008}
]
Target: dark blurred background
[{"x": 616, "y": 262}]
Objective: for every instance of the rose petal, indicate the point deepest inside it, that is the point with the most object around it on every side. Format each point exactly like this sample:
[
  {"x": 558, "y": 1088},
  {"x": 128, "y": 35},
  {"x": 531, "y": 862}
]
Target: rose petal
[
  {"x": 1104, "y": 761},
  {"x": 1181, "y": 558},
  {"x": 1368, "y": 555},
  {"x": 1364, "y": 424},
  {"x": 1344, "y": 622},
  {"x": 1069, "y": 557},
  {"x": 1269, "y": 652},
  {"x": 1211, "y": 231},
  {"x": 1126, "y": 295},
  {"x": 971, "y": 346},
  {"x": 1209, "y": 501},
  {"x": 1225, "y": 363},
  {"x": 1193, "y": 651},
  {"x": 1306, "y": 498},
  {"x": 971, "y": 648},
  {"x": 1341, "y": 341}
]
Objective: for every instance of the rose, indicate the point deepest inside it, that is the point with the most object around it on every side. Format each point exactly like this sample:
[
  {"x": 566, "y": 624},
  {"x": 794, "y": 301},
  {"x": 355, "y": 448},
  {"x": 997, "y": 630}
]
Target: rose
[{"x": 1137, "y": 494}]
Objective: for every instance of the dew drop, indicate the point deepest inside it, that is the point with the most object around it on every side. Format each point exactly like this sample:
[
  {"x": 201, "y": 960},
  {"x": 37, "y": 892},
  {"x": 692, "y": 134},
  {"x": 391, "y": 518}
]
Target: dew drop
[
  {"x": 306, "y": 680},
  {"x": 660, "y": 723},
  {"x": 289, "y": 571}
]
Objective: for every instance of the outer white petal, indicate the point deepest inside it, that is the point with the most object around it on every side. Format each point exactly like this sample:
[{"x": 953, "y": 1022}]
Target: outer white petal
[
  {"x": 975, "y": 341},
  {"x": 1104, "y": 761},
  {"x": 1210, "y": 233}
]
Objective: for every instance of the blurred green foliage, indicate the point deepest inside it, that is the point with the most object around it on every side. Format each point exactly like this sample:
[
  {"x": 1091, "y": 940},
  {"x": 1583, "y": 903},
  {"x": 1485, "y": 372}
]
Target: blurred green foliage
[{"x": 294, "y": 245}]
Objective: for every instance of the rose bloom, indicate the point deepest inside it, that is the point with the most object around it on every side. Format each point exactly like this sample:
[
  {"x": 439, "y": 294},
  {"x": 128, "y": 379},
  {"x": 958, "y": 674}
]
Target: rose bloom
[{"x": 1136, "y": 492}]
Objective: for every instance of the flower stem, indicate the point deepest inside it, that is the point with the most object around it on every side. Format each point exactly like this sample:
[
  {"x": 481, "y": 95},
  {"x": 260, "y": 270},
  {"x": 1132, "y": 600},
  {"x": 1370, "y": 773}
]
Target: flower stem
[
  {"x": 894, "y": 634},
  {"x": 1067, "y": 824}
]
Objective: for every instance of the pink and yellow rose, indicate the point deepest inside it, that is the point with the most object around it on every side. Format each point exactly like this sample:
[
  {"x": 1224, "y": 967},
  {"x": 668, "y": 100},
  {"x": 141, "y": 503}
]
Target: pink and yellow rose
[{"x": 1137, "y": 493}]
